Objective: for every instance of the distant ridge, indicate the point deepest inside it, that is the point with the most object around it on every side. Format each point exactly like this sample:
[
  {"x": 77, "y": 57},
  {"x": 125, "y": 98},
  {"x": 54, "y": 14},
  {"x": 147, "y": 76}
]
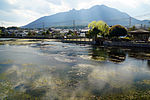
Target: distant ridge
[{"x": 84, "y": 16}]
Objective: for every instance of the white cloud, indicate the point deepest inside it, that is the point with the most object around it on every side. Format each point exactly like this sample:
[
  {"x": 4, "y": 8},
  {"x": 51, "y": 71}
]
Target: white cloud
[
  {"x": 11, "y": 1},
  {"x": 26, "y": 11}
]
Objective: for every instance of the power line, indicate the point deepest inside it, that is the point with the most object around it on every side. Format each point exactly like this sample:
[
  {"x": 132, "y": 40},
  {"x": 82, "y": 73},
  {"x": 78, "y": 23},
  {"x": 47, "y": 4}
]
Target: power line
[
  {"x": 106, "y": 19},
  {"x": 142, "y": 15},
  {"x": 74, "y": 25},
  {"x": 130, "y": 22}
]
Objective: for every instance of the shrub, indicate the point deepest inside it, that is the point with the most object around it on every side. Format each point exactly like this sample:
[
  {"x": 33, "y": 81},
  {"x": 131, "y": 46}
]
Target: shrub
[{"x": 117, "y": 30}]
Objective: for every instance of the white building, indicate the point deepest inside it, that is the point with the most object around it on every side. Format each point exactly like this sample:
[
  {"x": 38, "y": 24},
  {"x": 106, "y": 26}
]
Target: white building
[{"x": 83, "y": 32}]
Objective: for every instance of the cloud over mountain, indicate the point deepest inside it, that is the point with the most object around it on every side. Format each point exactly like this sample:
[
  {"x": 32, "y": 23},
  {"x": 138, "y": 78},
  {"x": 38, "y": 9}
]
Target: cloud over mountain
[
  {"x": 21, "y": 12},
  {"x": 84, "y": 16}
]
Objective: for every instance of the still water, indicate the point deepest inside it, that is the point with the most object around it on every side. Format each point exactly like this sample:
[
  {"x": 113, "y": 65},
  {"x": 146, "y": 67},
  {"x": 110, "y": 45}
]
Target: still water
[{"x": 48, "y": 70}]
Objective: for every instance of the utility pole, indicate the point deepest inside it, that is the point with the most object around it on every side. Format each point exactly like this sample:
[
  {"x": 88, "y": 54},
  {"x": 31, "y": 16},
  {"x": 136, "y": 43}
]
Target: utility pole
[
  {"x": 34, "y": 26},
  {"x": 74, "y": 25},
  {"x": 43, "y": 26},
  {"x": 130, "y": 18},
  {"x": 141, "y": 26}
]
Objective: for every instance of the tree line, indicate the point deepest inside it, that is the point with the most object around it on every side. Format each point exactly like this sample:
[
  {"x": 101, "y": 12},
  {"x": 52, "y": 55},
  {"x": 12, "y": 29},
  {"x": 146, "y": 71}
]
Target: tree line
[{"x": 100, "y": 28}]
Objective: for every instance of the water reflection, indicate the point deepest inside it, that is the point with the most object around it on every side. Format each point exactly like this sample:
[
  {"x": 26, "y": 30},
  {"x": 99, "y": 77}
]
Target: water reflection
[
  {"x": 139, "y": 53},
  {"x": 117, "y": 55},
  {"x": 148, "y": 63},
  {"x": 53, "y": 70},
  {"x": 99, "y": 54}
]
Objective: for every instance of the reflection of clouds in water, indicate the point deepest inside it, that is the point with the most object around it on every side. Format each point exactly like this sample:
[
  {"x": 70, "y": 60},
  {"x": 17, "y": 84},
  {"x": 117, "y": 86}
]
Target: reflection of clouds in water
[
  {"x": 27, "y": 74},
  {"x": 117, "y": 77},
  {"x": 68, "y": 80},
  {"x": 96, "y": 77},
  {"x": 86, "y": 57},
  {"x": 64, "y": 59},
  {"x": 22, "y": 72},
  {"x": 84, "y": 66},
  {"x": 81, "y": 69},
  {"x": 27, "y": 78}
]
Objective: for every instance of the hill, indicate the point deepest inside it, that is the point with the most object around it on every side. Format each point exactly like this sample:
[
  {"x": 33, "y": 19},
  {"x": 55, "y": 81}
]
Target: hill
[{"x": 84, "y": 16}]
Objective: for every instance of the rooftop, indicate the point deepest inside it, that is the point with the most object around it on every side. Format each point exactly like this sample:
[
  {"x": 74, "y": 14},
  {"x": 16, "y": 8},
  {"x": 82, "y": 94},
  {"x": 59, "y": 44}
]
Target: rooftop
[{"x": 140, "y": 31}]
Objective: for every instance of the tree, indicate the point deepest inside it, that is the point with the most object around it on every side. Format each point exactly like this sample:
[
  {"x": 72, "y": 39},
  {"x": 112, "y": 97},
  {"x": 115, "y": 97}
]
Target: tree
[
  {"x": 43, "y": 33},
  {"x": 13, "y": 34},
  {"x": 2, "y": 29},
  {"x": 132, "y": 28},
  {"x": 13, "y": 28},
  {"x": 98, "y": 28},
  {"x": 70, "y": 32},
  {"x": 149, "y": 29},
  {"x": 47, "y": 32},
  {"x": 0, "y": 33},
  {"x": 32, "y": 33},
  {"x": 29, "y": 33},
  {"x": 94, "y": 32},
  {"x": 117, "y": 30}
]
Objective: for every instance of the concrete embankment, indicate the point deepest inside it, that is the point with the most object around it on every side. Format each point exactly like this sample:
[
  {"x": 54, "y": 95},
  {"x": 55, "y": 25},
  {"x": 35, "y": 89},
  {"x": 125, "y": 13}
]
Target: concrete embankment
[
  {"x": 79, "y": 42},
  {"x": 126, "y": 44}
]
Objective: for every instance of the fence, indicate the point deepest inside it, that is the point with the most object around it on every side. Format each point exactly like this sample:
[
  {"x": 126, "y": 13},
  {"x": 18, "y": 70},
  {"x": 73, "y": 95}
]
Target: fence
[{"x": 80, "y": 40}]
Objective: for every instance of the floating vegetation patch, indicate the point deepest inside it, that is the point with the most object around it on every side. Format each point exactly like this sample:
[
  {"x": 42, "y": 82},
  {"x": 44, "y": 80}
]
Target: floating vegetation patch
[
  {"x": 147, "y": 82},
  {"x": 143, "y": 85},
  {"x": 131, "y": 95},
  {"x": 28, "y": 64},
  {"x": 7, "y": 62},
  {"x": 5, "y": 88},
  {"x": 22, "y": 41},
  {"x": 78, "y": 74},
  {"x": 42, "y": 81}
]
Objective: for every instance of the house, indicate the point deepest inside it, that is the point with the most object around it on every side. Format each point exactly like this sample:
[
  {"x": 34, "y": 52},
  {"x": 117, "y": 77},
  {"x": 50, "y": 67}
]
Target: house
[
  {"x": 140, "y": 35},
  {"x": 64, "y": 31},
  {"x": 83, "y": 32},
  {"x": 21, "y": 33}
]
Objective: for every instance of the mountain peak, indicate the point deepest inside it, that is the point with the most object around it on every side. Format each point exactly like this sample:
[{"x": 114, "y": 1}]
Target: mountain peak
[
  {"x": 83, "y": 17},
  {"x": 98, "y": 6},
  {"x": 73, "y": 9}
]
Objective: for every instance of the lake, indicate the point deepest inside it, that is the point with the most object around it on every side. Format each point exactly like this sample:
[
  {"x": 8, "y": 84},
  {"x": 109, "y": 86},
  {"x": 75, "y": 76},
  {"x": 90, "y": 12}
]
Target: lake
[{"x": 42, "y": 69}]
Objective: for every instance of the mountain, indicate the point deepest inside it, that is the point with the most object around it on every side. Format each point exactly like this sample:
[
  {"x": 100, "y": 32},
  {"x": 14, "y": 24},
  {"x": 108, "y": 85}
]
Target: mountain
[{"x": 84, "y": 16}]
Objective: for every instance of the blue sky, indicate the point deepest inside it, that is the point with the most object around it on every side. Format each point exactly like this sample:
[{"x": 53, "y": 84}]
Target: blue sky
[{"x": 22, "y": 12}]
